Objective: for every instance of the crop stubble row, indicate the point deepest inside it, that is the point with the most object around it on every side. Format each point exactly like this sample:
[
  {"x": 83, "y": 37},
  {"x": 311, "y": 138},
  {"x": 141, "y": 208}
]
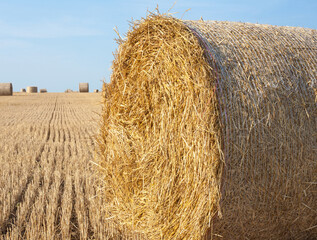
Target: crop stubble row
[{"x": 48, "y": 185}]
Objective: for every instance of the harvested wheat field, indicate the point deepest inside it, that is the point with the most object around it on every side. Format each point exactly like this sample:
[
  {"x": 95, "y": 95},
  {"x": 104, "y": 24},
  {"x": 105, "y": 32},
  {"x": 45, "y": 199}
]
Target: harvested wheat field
[
  {"x": 47, "y": 186},
  {"x": 209, "y": 128}
]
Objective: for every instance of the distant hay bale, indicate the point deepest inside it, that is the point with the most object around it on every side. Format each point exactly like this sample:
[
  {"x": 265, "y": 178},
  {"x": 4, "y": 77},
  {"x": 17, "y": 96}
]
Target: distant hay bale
[
  {"x": 6, "y": 89},
  {"x": 31, "y": 89},
  {"x": 96, "y": 91},
  {"x": 211, "y": 124},
  {"x": 83, "y": 87},
  {"x": 68, "y": 91},
  {"x": 43, "y": 90},
  {"x": 22, "y": 90}
]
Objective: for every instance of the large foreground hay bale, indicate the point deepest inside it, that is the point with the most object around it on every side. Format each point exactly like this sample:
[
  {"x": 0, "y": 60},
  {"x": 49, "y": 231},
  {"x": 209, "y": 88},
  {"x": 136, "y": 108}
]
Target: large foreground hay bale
[
  {"x": 6, "y": 89},
  {"x": 212, "y": 124},
  {"x": 31, "y": 89},
  {"x": 83, "y": 87}
]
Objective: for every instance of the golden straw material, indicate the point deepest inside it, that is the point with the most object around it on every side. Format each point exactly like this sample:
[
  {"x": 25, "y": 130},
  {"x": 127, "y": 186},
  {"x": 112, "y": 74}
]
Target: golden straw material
[
  {"x": 68, "y": 91},
  {"x": 6, "y": 89},
  {"x": 83, "y": 87},
  {"x": 43, "y": 90},
  {"x": 209, "y": 128},
  {"x": 31, "y": 89}
]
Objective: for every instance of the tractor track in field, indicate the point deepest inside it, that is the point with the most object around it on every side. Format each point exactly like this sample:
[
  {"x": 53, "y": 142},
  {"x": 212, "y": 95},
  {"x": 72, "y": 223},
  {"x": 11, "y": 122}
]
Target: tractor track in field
[
  {"x": 90, "y": 228},
  {"x": 74, "y": 224},
  {"x": 59, "y": 204},
  {"x": 53, "y": 192},
  {"x": 50, "y": 120},
  {"x": 21, "y": 197}
]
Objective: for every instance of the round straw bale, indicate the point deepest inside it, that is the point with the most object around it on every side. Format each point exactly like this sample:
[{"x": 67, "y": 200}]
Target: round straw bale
[
  {"x": 83, "y": 87},
  {"x": 31, "y": 89},
  {"x": 6, "y": 89},
  {"x": 96, "y": 91},
  {"x": 22, "y": 90},
  {"x": 43, "y": 90},
  {"x": 211, "y": 124}
]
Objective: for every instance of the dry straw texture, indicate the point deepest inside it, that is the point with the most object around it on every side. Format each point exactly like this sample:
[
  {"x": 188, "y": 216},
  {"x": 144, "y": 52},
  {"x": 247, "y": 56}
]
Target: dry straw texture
[
  {"x": 43, "y": 90},
  {"x": 6, "y": 89},
  {"x": 212, "y": 124},
  {"x": 83, "y": 87},
  {"x": 31, "y": 89}
]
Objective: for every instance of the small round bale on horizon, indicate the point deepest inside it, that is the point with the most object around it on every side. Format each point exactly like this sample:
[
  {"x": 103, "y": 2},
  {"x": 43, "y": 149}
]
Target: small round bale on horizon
[
  {"x": 83, "y": 87},
  {"x": 6, "y": 89},
  {"x": 31, "y": 89}
]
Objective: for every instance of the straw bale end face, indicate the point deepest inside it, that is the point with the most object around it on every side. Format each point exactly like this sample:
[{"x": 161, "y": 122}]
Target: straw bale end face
[
  {"x": 83, "y": 87},
  {"x": 43, "y": 90},
  {"x": 160, "y": 147},
  {"x": 6, "y": 89},
  {"x": 193, "y": 105},
  {"x": 31, "y": 89}
]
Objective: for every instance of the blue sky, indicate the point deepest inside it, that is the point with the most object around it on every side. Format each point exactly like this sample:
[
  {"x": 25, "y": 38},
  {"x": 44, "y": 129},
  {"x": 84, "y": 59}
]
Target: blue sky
[{"x": 57, "y": 44}]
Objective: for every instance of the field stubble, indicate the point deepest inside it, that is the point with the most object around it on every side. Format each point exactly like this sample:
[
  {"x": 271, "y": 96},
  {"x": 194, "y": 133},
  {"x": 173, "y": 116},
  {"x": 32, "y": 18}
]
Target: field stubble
[{"x": 48, "y": 185}]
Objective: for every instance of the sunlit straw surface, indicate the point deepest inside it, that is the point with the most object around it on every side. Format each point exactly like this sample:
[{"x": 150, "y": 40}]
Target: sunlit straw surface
[{"x": 196, "y": 108}]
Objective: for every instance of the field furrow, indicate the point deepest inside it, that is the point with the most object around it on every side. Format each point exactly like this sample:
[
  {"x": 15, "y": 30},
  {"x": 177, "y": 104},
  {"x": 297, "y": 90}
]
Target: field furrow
[{"x": 48, "y": 184}]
